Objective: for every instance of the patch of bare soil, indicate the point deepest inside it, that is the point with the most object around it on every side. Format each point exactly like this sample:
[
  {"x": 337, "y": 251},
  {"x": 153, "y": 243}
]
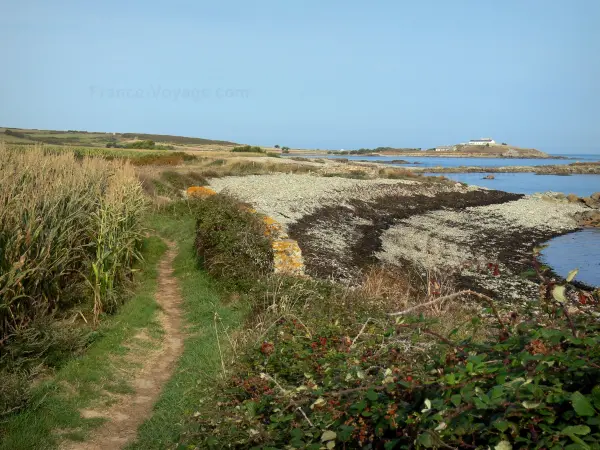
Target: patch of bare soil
[{"x": 127, "y": 412}]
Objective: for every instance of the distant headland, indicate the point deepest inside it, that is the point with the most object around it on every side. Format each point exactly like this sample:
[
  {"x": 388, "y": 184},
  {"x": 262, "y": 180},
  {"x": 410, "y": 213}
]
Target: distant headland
[{"x": 474, "y": 148}]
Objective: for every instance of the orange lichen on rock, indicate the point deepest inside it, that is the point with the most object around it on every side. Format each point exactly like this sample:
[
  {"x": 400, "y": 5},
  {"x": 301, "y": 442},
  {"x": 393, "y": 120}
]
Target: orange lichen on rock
[
  {"x": 200, "y": 191},
  {"x": 272, "y": 227},
  {"x": 287, "y": 257}
]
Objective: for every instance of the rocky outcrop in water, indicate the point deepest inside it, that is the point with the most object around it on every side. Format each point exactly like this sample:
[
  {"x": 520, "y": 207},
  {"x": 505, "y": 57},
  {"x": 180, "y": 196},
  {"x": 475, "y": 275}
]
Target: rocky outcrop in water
[
  {"x": 591, "y": 217},
  {"x": 585, "y": 168}
]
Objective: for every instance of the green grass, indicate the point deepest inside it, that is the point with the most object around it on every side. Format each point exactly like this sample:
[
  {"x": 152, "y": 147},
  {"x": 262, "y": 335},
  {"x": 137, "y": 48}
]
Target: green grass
[
  {"x": 100, "y": 139},
  {"x": 55, "y": 405},
  {"x": 200, "y": 365}
]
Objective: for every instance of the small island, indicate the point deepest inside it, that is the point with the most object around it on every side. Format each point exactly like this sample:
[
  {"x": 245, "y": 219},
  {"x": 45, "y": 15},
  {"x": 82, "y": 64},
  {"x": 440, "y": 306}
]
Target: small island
[{"x": 474, "y": 148}]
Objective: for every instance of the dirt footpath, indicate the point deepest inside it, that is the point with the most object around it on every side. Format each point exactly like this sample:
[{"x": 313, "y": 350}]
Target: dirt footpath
[{"x": 128, "y": 412}]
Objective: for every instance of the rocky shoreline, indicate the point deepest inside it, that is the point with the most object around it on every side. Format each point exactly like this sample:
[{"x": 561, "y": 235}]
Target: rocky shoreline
[
  {"x": 484, "y": 238},
  {"x": 556, "y": 169}
]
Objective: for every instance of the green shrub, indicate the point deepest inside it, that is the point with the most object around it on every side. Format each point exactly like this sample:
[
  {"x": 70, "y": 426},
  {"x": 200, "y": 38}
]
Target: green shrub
[
  {"x": 199, "y": 179},
  {"x": 14, "y": 391},
  {"x": 47, "y": 338},
  {"x": 217, "y": 162},
  {"x": 171, "y": 183},
  {"x": 230, "y": 241},
  {"x": 177, "y": 180},
  {"x": 209, "y": 173},
  {"x": 146, "y": 144},
  {"x": 243, "y": 168},
  {"x": 159, "y": 188},
  {"x": 17, "y": 134},
  {"x": 274, "y": 155},
  {"x": 247, "y": 149},
  {"x": 530, "y": 386},
  {"x": 397, "y": 173},
  {"x": 161, "y": 159}
]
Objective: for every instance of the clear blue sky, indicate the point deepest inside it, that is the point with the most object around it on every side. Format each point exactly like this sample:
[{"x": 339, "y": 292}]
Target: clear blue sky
[{"x": 313, "y": 73}]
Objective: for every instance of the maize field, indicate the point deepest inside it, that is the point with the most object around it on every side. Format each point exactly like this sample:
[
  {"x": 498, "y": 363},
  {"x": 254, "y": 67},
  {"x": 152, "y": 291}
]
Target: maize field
[{"x": 69, "y": 232}]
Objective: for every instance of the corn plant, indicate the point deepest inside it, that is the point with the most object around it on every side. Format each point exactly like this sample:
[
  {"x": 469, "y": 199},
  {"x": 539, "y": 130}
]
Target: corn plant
[{"x": 63, "y": 219}]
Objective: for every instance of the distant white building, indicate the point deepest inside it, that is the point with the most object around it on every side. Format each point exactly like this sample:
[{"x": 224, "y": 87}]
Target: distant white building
[
  {"x": 483, "y": 141},
  {"x": 445, "y": 148}
]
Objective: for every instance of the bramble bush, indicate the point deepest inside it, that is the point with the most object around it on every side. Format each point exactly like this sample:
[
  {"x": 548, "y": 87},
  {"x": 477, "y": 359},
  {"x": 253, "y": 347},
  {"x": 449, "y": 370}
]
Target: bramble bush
[{"x": 537, "y": 385}]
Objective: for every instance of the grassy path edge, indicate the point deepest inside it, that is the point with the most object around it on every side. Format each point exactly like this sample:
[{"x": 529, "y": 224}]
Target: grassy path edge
[
  {"x": 200, "y": 365},
  {"x": 53, "y": 413}
]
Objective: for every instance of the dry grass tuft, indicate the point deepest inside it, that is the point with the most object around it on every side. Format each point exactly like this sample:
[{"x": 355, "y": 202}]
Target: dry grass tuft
[{"x": 390, "y": 288}]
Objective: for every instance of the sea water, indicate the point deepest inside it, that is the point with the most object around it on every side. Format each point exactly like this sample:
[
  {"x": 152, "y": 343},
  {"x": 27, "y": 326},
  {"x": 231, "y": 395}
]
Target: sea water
[
  {"x": 530, "y": 183},
  {"x": 578, "y": 250},
  {"x": 443, "y": 161},
  {"x": 519, "y": 183}
]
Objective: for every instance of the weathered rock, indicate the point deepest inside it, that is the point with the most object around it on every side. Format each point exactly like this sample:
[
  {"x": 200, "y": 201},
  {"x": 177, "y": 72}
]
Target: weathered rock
[
  {"x": 596, "y": 196},
  {"x": 572, "y": 198},
  {"x": 273, "y": 228},
  {"x": 589, "y": 202},
  {"x": 589, "y": 218},
  {"x": 489, "y": 177},
  {"x": 287, "y": 257}
]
